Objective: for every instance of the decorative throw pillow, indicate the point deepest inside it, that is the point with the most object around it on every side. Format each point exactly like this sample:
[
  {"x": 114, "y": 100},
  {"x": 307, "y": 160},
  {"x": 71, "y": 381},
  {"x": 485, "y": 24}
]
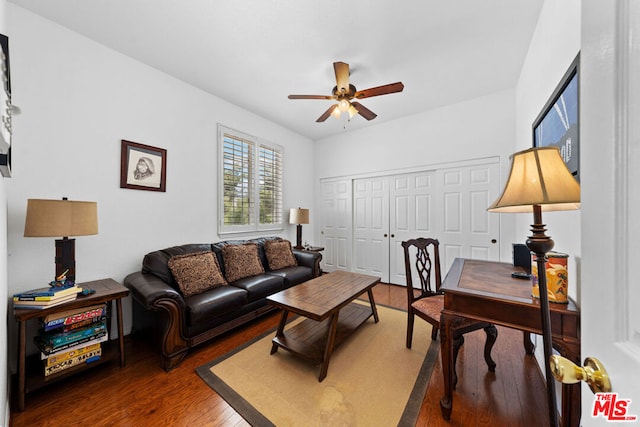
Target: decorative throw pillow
[
  {"x": 241, "y": 261},
  {"x": 279, "y": 254},
  {"x": 196, "y": 272}
]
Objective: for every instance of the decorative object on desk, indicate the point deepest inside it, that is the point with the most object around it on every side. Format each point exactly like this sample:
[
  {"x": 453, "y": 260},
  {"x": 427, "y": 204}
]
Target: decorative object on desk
[
  {"x": 557, "y": 277},
  {"x": 540, "y": 180},
  {"x": 62, "y": 218},
  {"x": 61, "y": 281},
  {"x": 143, "y": 167},
  {"x": 299, "y": 216},
  {"x": 522, "y": 256},
  {"x": 558, "y": 124}
]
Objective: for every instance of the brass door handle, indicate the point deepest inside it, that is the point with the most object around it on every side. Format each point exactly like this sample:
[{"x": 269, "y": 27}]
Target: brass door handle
[{"x": 593, "y": 373}]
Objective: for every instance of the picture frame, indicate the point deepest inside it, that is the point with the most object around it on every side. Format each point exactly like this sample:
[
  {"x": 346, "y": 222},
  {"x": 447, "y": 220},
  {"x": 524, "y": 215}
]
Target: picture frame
[
  {"x": 6, "y": 109},
  {"x": 558, "y": 124},
  {"x": 143, "y": 167}
]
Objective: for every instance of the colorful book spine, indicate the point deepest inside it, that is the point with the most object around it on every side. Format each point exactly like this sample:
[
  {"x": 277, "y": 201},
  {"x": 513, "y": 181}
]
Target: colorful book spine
[
  {"x": 59, "y": 358},
  {"x": 81, "y": 344},
  {"x": 71, "y": 318},
  {"x": 62, "y": 338},
  {"x": 80, "y": 324},
  {"x": 42, "y": 305},
  {"x": 88, "y": 357},
  {"x": 51, "y": 344}
]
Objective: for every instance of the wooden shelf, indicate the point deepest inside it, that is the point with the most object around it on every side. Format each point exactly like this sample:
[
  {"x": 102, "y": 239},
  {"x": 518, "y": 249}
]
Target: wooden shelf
[
  {"x": 35, "y": 378},
  {"x": 31, "y": 369},
  {"x": 308, "y": 338}
]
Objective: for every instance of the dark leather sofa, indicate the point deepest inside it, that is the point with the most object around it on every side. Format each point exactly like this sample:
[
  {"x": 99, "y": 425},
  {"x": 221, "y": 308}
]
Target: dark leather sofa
[{"x": 176, "y": 323}]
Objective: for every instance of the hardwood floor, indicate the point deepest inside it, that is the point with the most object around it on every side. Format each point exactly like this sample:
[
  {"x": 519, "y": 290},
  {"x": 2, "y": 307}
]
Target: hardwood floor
[{"x": 142, "y": 394}]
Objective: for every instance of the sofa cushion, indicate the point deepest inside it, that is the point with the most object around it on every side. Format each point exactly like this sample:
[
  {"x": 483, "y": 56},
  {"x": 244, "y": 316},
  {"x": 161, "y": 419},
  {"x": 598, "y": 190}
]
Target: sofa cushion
[
  {"x": 196, "y": 272},
  {"x": 279, "y": 254},
  {"x": 293, "y": 275},
  {"x": 260, "y": 286},
  {"x": 214, "y": 303},
  {"x": 241, "y": 261},
  {"x": 157, "y": 262}
]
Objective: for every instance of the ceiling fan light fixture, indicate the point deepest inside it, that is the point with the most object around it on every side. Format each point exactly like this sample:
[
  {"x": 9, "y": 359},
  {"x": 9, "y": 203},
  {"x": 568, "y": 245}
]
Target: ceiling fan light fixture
[
  {"x": 344, "y": 92},
  {"x": 336, "y": 112},
  {"x": 352, "y": 111}
]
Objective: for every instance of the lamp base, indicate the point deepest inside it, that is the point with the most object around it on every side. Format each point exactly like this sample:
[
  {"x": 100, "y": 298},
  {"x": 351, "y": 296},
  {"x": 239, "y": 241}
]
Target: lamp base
[
  {"x": 66, "y": 258},
  {"x": 299, "y": 237},
  {"x": 540, "y": 244}
]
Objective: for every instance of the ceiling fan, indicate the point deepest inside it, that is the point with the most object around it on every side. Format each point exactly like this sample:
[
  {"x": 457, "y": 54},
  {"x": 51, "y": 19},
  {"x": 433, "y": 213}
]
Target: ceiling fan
[{"x": 344, "y": 92}]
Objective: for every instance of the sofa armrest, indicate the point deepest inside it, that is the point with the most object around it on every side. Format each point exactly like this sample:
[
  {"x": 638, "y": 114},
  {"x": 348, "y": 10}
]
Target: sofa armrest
[
  {"x": 147, "y": 289},
  {"x": 156, "y": 295},
  {"x": 309, "y": 259}
]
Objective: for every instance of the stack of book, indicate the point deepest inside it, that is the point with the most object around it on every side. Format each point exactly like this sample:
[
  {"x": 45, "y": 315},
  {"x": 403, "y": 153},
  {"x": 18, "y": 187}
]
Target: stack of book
[
  {"x": 72, "y": 337},
  {"x": 39, "y": 299}
]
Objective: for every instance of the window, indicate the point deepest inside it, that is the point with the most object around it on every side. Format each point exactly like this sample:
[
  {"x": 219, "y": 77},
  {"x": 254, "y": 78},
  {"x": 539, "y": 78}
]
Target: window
[{"x": 251, "y": 183}]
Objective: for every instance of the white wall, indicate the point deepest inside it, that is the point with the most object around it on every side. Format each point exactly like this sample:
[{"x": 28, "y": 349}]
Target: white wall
[
  {"x": 477, "y": 128},
  {"x": 78, "y": 100},
  {"x": 554, "y": 45}
]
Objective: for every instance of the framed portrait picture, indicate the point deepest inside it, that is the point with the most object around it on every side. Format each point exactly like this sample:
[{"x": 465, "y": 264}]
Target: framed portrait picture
[
  {"x": 558, "y": 123},
  {"x": 143, "y": 167}
]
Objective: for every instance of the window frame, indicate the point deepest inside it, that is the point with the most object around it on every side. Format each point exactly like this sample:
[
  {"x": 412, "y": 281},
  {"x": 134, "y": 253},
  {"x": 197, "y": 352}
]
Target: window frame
[{"x": 255, "y": 186}]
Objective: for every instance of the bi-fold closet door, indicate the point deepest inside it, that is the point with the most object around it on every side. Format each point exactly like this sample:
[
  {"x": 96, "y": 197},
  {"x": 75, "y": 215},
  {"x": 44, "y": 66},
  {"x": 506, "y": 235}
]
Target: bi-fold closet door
[{"x": 447, "y": 203}]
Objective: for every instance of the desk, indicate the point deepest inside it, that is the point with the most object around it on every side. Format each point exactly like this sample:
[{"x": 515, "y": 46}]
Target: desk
[{"x": 486, "y": 291}]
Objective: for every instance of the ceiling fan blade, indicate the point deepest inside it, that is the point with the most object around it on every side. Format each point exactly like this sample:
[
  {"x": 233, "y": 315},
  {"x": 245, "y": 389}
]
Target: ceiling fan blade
[
  {"x": 380, "y": 90},
  {"x": 342, "y": 75},
  {"x": 327, "y": 113},
  {"x": 364, "y": 111},
  {"x": 311, "y": 97}
]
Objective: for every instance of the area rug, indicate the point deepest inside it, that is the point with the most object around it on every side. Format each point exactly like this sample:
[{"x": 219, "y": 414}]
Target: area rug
[{"x": 373, "y": 379}]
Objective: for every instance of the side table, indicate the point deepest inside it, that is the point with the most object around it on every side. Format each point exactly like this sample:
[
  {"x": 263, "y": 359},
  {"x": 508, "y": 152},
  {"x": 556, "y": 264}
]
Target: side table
[{"x": 30, "y": 377}]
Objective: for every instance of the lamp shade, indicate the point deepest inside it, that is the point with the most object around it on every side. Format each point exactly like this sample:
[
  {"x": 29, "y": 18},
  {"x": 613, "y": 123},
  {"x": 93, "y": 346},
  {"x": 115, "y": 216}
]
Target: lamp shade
[
  {"x": 299, "y": 216},
  {"x": 60, "y": 218},
  {"x": 540, "y": 177}
]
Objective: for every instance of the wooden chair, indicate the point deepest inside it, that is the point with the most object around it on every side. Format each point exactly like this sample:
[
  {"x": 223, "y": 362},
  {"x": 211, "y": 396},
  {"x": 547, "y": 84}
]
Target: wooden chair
[{"x": 427, "y": 301}]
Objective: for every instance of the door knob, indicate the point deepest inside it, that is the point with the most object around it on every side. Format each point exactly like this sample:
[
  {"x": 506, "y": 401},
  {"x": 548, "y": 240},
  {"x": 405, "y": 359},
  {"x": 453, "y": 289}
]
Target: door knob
[
  {"x": 385, "y": 234},
  {"x": 593, "y": 373},
  {"x": 393, "y": 235}
]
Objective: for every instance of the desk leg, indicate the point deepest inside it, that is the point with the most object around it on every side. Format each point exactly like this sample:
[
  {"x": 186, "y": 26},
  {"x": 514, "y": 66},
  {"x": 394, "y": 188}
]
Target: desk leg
[
  {"x": 446, "y": 352},
  {"x": 120, "y": 330},
  {"x": 280, "y": 331},
  {"x": 22, "y": 354},
  {"x": 373, "y": 305}
]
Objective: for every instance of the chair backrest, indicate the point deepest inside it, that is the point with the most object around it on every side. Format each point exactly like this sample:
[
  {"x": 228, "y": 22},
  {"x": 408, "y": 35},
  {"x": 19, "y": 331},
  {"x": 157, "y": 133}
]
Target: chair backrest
[{"x": 426, "y": 263}]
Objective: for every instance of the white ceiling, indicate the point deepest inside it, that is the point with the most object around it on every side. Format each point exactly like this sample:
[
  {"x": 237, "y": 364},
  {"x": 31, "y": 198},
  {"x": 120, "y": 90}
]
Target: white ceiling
[{"x": 254, "y": 53}]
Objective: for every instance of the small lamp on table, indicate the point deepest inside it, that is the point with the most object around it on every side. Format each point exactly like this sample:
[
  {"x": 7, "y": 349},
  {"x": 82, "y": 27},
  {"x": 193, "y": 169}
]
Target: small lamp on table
[
  {"x": 62, "y": 218},
  {"x": 299, "y": 216}
]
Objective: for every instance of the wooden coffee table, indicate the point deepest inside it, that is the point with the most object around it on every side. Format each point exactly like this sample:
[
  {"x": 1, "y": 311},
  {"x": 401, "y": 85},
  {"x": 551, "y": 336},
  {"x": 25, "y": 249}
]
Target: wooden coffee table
[{"x": 331, "y": 315}]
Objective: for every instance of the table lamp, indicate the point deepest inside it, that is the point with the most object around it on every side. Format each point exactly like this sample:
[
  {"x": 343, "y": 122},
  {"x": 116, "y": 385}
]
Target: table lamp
[
  {"x": 299, "y": 216},
  {"x": 540, "y": 180},
  {"x": 62, "y": 218}
]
